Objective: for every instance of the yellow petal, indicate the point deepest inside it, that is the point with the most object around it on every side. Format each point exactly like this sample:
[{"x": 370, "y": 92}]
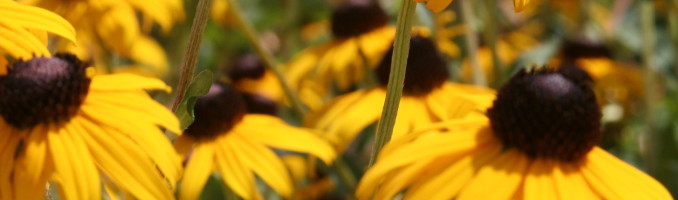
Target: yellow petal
[
  {"x": 184, "y": 144},
  {"x": 342, "y": 129},
  {"x": 426, "y": 147},
  {"x": 448, "y": 183},
  {"x": 20, "y": 43},
  {"x": 122, "y": 82},
  {"x": 119, "y": 27},
  {"x": 33, "y": 167},
  {"x": 265, "y": 164},
  {"x": 123, "y": 160},
  {"x": 198, "y": 170},
  {"x": 8, "y": 145},
  {"x": 520, "y": 5},
  {"x": 74, "y": 169},
  {"x": 149, "y": 53},
  {"x": 614, "y": 179},
  {"x": 539, "y": 182},
  {"x": 234, "y": 173},
  {"x": 504, "y": 175},
  {"x": 275, "y": 133},
  {"x": 437, "y": 5},
  {"x": 36, "y": 18},
  {"x": 571, "y": 184}
]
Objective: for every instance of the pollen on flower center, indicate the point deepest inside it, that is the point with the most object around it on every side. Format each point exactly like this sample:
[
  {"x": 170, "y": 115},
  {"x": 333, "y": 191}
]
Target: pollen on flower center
[
  {"x": 548, "y": 114},
  {"x": 217, "y": 112},
  {"x": 43, "y": 90},
  {"x": 355, "y": 17},
  {"x": 426, "y": 69}
]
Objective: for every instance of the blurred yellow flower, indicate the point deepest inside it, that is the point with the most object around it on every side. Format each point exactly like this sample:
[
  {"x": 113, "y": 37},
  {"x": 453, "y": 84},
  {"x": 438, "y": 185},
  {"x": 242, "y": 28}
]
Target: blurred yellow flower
[
  {"x": 538, "y": 141},
  {"x": 360, "y": 39},
  {"x": 427, "y": 98},
  {"x": 83, "y": 134},
  {"x": 445, "y": 35},
  {"x": 23, "y": 31},
  {"x": 440, "y": 5},
  {"x": 114, "y": 26},
  {"x": 238, "y": 145}
]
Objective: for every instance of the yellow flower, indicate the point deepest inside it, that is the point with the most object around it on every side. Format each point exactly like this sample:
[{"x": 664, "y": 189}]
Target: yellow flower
[
  {"x": 360, "y": 40},
  {"x": 23, "y": 31},
  {"x": 440, "y": 5},
  {"x": 444, "y": 35},
  {"x": 427, "y": 98},
  {"x": 238, "y": 145},
  {"x": 116, "y": 26},
  {"x": 249, "y": 75},
  {"x": 81, "y": 133},
  {"x": 538, "y": 142}
]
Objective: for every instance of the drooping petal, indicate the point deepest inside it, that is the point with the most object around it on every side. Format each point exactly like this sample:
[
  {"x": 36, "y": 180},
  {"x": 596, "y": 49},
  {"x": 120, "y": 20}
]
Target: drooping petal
[
  {"x": 448, "y": 183},
  {"x": 34, "y": 165},
  {"x": 123, "y": 160},
  {"x": 35, "y": 18},
  {"x": 265, "y": 164},
  {"x": 614, "y": 179},
  {"x": 504, "y": 175},
  {"x": 275, "y": 133},
  {"x": 539, "y": 182},
  {"x": 235, "y": 174},
  {"x": 570, "y": 183},
  {"x": 126, "y": 82},
  {"x": 198, "y": 170},
  {"x": 9, "y": 142},
  {"x": 74, "y": 169}
]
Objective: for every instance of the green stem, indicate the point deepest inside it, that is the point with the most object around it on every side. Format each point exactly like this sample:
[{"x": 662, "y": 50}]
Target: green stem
[
  {"x": 490, "y": 35},
  {"x": 653, "y": 137},
  {"x": 472, "y": 42},
  {"x": 345, "y": 174},
  {"x": 396, "y": 79},
  {"x": 202, "y": 11},
  {"x": 673, "y": 28},
  {"x": 268, "y": 59}
]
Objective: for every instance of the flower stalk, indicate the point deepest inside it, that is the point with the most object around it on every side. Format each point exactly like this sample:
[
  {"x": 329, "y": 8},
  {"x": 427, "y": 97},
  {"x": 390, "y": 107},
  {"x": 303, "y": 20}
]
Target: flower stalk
[
  {"x": 202, "y": 11},
  {"x": 265, "y": 56},
  {"x": 490, "y": 35},
  {"x": 396, "y": 80},
  {"x": 653, "y": 141}
]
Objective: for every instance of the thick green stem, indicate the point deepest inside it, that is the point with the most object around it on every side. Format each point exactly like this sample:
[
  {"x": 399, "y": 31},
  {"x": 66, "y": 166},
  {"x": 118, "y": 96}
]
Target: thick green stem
[
  {"x": 490, "y": 35},
  {"x": 265, "y": 56},
  {"x": 202, "y": 11},
  {"x": 653, "y": 136},
  {"x": 472, "y": 42},
  {"x": 396, "y": 80}
]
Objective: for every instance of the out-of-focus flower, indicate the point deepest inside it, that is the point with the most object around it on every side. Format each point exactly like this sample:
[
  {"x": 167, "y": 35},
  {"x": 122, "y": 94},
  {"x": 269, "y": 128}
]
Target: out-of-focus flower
[
  {"x": 83, "y": 133},
  {"x": 249, "y": 75},
  {"x": 118, "y": 27},
  {"x": 23, "y": 31},
  {"x": 361, "y": 37},
  {"x": 538, "y": 142},
  {"x": 440, "y": 5},
  {"x": 444, "y": 34},
  {"x": 236, "y": 144},
  {"x": 427, "y": 98}
]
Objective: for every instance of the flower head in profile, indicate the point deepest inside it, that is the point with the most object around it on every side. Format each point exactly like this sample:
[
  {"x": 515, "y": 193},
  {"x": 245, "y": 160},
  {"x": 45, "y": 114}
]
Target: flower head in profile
[
  {"x": 60, "y": 124},
  {"x": 538, "y": 141},
  {"x": 427, "y": 98},
  {"x": 360, "y": 38},
  {"x": 238, "y": 145}
]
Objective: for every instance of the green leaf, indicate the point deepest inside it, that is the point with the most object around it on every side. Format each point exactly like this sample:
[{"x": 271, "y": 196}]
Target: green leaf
[{"x": 199, "y": 87}]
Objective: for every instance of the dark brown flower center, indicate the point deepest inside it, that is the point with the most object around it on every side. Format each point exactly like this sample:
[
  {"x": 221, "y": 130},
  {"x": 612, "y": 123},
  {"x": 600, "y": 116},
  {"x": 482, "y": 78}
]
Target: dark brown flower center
[
  {"x": 43, "y": 90},
  {"x": 217, "y": 112},
  {"x": 546, "y": 113},
  {"x": 426, "y": 69},
  {"x": 247, "y": 66},
  {"x": 355, "y": 17}
]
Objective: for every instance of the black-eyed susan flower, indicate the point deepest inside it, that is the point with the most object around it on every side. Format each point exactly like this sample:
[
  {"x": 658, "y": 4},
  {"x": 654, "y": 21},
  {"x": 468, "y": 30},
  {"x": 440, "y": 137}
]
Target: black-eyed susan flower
[
  {"x": 361, "y": 37},
  {"x": 58, "y": 124},
  {"x": 117, "y": 27},
  {"x": 23, "y": 31},
  {"x": 538, "y": 141},
  {"x": 238, "y": 145},
  {"x": 250, "y": 77},
  {"x": 427, "y": 98},
  {"x": 440, "y": 5}
]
